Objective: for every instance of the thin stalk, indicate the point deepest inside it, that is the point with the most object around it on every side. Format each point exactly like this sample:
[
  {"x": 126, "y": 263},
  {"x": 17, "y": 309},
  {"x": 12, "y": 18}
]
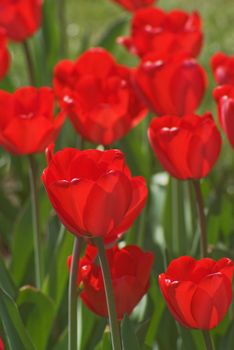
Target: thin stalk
[
  {"x": 29, "y": 62},
  {"x": 208, "y": 340},
  {"x": 63, "y": 27},
  {"x": 201, "y": 218},
  {"x": 35, "y": 219},
  {"x": 114, "y": 326},
  {"x": 72, "y": 295}
]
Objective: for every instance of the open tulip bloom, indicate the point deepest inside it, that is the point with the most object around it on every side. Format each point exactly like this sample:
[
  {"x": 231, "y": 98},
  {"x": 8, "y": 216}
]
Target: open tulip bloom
[
  {"x": 93, "y": 192},
  {"x": 4, "y": 54},
  {"x": 198, "y": 293},
  {"x": 186, "y": 147},
  {"x": 27, "y": 120},
  {"x": 223, "y": 68},
  {"x": 130, "y": 274},
  {"x": 157, "y": 81},
  {"x": 98, "y": 96},
  {"x": 154, "y": 30},
  {"x": 20, "y": 18}
]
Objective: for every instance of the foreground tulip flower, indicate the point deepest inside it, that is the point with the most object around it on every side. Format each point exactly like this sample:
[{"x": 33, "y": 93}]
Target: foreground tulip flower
[
  {"x": 20, "y": 18},
  {"x": 93, "y": 192},
  {"x": 198, "y": 293},
  {"x": 224, "y": 96},
  {"x": 223, "y": 68},
  {"x": 154, "y": 30},
  {"x": 98, "y": 96},
  {"x": 133, "y": 5},
  {"x": 4, "y": 54},
  {"x": 27, "y": 120},
  {"x": 186, "y": 147},
  {"x": 157, "y": 81},
  {"x": 130, "y": 273}
]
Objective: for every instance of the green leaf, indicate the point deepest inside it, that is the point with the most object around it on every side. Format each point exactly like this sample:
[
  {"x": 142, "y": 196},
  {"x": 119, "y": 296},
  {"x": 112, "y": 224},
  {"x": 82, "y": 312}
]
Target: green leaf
[
  {"x": 105, "y": 343},
  {"x": 6, "y": 282},
  {"x": 108, "y": 38},
  {"x": 128, "y": 335},
  {"x": 17, "y": 336},
  {"x": 38, "y": 314}
]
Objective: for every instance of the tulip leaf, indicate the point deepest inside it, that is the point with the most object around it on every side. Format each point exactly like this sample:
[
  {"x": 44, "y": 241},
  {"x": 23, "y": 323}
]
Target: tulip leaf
[
  {"x": 105, "y": 343},
  {"x": 16, "y": 333},
  {"x": 40, "y": 308},
  {"x": 6, "y": 282},
  {"x": 110, "y": 34},
  {"x": 129, "y": 338}
]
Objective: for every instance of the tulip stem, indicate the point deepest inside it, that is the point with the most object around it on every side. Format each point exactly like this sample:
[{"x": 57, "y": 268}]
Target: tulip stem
[
  {"x": 208, "y": 340},
  {"x": 201, "y": 218},
  {"x": 114, "y": 326},
  {"x": 29, "y": 62},
  {"x": 35, "y": 219},
  {"x": 72, "y": 295},
  {"x": 63, "y": 27}
]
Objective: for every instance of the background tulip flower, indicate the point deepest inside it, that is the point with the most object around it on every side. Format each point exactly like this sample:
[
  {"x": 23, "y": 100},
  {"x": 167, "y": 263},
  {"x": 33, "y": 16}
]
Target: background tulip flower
[
  {"x": 4, "y": 54},
  {"x": 186, "y": 147},
  {"x": 154, "y": 30},
  {"x": 93, "y": 192},
  {"x": 133, "y": 5},
  {"x": 224, "y": 96},
  {"x": 98, "y": 96},
  {"x": 223, "y": 68},
  {"x": 198, "y": 293},
  {"x": 130, "y": 273},
  {"x": 1, "y": 344},
  {"x": 20, "y": 18},
  {"x": 27, "y": 120},
  {"x": 157, "y": 80}
]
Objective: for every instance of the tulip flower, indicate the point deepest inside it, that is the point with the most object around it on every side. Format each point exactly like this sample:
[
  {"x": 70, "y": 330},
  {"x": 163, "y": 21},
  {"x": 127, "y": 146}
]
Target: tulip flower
[
  {"x": 98, "y": 96},
  {"x": 154, "y": 30},
  {"x": 223, "y": 68},
  {"x": 93, "y": 192},
  {"x": 20, "y": 18},
  {"x": 224, "y": 96},
  {"x": 1, "y": 344},
  {"x": 173, "y": 84},
  {"x": 4, "y": 54},
  {"x": 130, "y": 274},
  {"x": 27, "y": 120},
  {"x": 186, "y": 147},
  {"x": 133, "y": 5},
  {"x": 198, "y": 293}
]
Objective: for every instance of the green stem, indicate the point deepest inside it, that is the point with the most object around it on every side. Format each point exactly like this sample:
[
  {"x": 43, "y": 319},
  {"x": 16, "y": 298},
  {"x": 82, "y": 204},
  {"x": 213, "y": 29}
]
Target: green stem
[
  {"x": 63, "y": 27},
  {"x": 29, "y": 62},
  {"x": 114, "y": 326},
  {"x": 201, "y": 218},
  {"x": 35, "y": 219},
  {"x": 72, "y": 295},
  {"x": 208, "y": 340}
]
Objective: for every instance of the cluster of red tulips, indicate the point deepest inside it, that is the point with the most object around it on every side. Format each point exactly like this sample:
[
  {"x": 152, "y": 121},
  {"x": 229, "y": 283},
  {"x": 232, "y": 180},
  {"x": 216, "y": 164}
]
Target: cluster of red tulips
[{"x": 93, "y": 191}]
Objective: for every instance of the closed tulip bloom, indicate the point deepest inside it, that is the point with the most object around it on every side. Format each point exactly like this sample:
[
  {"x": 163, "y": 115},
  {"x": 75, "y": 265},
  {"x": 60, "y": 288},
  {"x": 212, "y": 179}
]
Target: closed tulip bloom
[
  {"x": 20, "y": 18},
  {"x": 223, "y": 68},
  {"x": 4, "y": 54},
  {"x": 133, "y": 5},
  {"x": 172, "y": 84},
  {"x": 224, "y": 96},
  {"x": 130, "y": 274},
  {"x": 98, "y": 96},
  {"x": 187, "y": 147},
  {"x": 198, "y": 293},
  {"x": 93, "y": 192},
  {"x": 27, "y": 120},
  {"x": 154, "y": 30}
]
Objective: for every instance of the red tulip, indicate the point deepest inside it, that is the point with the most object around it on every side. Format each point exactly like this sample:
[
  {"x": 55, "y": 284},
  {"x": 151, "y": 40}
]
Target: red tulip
[
  {"x": 223, "y": 68},
  {"x": 171, "y": 84},
  {"x": 224, "y": 96},
  {"x": 26, "y": 120},
  {"x": 154, "y": 30},
  {"x": 198, "y": 293},
  {"x": 97, "y": 94},
  {"x": 4, "y": 54},
  {"x": 130, "y": 272},
  {"x": 186, "y": 147},
  {"x": 133, "y": 5},
  {"x": 20, "y": 18},
  {"x": 93, "y": 192}
]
